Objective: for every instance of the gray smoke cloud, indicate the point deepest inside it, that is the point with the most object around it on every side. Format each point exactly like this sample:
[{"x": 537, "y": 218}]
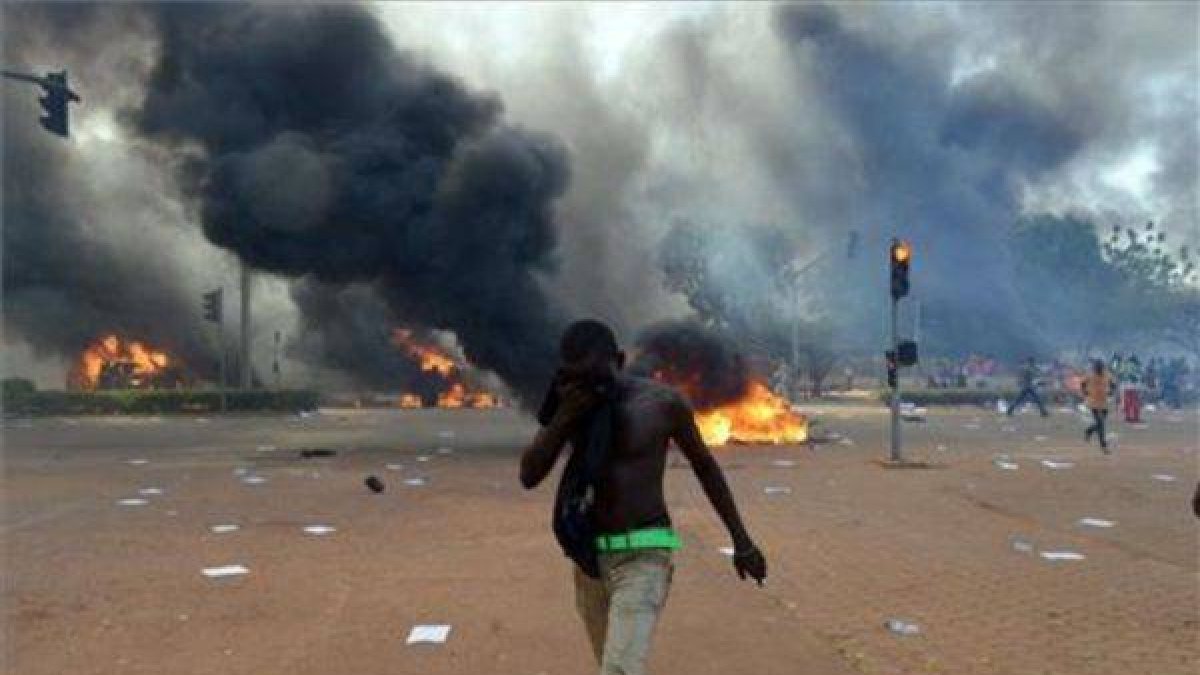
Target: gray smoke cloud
[{"x": 944, "y": 123}]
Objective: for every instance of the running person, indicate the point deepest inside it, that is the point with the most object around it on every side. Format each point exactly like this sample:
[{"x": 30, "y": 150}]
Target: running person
[
  {"x": 635, "y": 540},
  {"x": 1097, "y": 389}
]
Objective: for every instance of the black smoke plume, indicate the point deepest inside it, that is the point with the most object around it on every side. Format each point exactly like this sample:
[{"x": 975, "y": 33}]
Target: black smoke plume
[
  {"x": 703, "y": 363},
  {"x": 321, "y": 151}
]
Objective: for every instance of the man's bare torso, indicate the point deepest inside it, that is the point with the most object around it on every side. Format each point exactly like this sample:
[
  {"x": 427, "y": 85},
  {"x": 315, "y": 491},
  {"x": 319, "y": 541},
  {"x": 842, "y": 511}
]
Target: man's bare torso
[{"x": 630, "y": 492}]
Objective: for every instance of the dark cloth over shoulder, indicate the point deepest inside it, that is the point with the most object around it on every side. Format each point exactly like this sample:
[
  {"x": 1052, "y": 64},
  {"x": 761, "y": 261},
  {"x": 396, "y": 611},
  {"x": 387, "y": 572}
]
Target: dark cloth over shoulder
[{"x": 573, "y": 524}]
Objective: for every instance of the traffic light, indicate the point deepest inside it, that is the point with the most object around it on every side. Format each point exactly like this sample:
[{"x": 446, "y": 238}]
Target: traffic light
[
  {"x": 212, "y": 305},
  {"x": 54, "y": 102},
  {"x": 900, "y": 256},
  {"x": 906, "y": 353}
]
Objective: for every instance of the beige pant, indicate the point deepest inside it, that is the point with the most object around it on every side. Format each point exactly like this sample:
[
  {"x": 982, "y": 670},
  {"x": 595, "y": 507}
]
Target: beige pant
[{"x": 621, "y": 608}]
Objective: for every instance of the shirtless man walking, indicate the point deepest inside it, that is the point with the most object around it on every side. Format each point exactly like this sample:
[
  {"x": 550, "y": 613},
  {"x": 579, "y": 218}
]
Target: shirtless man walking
[{"x": 634, "y": 535}]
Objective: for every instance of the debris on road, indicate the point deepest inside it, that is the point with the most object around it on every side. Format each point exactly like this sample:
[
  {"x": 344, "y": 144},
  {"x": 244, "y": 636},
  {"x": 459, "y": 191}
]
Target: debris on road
[
  {"x": 136, "y": 462},
  {"x": 319, "y": 530},
  {"x": 726, "y": 551},
  {"x": 783, "y": 463},
  {"x": 254, "y": 480},
  {"x": 1003, "y": 463},
  {"x": 132, "y": 502},
  {"x": 374, "y": 484},
  {"x": 900, "y": 627},
  {"x": 1164, "y": 477},
  {"x": 266, "y": 448},
  {"x": 1022, "y": 545},
  {"x": 317, "y": 452},
  {"x": 225, "y": 571},
  {"x": 1096, "y": 522},
  {"x": 435, "y": 634},
  {"x": 1052, "y": 464},
  {"x": 394, "y": 467},
  {"x": 415, "y": 482},
  {"x": 1061, "y": 555},
  {"x": 423, "y": 458},
  {"x": 773, "y": 490},
  {"x": 224, "y": 529}
]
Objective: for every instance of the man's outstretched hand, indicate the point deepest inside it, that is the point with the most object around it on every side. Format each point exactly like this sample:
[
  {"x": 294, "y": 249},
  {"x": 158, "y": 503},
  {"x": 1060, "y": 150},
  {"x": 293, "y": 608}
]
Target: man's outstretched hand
[{"x": 750, "y": 563}]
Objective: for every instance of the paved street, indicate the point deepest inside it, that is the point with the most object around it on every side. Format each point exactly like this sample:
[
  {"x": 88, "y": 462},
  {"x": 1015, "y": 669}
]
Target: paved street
[{"x": 94, "y": 586}]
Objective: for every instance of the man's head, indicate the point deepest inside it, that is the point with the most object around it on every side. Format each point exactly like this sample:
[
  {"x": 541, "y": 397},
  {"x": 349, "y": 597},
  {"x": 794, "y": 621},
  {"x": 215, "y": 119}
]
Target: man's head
[
  {"x": 589, "y": 348},
  {"x": 1098, "y": 367}
]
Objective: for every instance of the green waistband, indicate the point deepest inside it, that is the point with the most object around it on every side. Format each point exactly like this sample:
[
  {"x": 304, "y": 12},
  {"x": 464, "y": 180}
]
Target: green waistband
[{"x": 648, "y": 537}]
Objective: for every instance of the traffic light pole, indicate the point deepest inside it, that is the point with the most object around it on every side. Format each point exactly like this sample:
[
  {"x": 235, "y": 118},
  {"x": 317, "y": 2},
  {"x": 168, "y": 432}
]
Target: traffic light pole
[{"x": 897, "y": 454}]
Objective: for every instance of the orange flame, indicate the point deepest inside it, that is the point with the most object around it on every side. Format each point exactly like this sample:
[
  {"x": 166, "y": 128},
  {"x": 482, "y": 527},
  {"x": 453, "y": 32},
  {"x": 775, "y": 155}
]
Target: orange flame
[
  {"x": 430, "y": 357},
  {"x": 410, "y": 401},
  {"x": 759, "y": 416},
  {"x": 143, "y": 363}
]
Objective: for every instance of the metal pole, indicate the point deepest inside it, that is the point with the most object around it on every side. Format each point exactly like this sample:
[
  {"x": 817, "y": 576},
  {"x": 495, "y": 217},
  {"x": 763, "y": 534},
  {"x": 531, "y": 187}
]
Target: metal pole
[
  {"x": 897, "y": 455},
  {"x": 224, "y": 378},
  {"x": 244, "y": 356},
  {"x": 794, "y": 394}
]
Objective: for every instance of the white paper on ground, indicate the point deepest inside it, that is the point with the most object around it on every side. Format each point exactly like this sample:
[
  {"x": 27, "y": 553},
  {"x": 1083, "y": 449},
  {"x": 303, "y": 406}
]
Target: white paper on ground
[
  {"x": 150, "y": 491},
  {"x": 394, "y": 467},
  {"x": 320, "y": 530},
  {"x": 423, "y": 458},
  {"x": 1061, "y": 555},
  {"x": 1165, "y": 477},
  {"x": 846, "y": 441},
  {"x": 941, "y": 448},
  {"x": 444, "y": 451},
  {"x": 266, "y": 448},
  {"x": 1007, "y": 466},
  {"x": 1022, "y": 545},
  {"x": 1051, "y": 464},
  {"x": 972, "y": 426},
  {"x": 225, "y": 571},
  {"x": 1039, "y": 439},
  {"x": 726, "y": 550},
  {"x": 254, "y": 480},
  {"x": 414, "y": 481},
  {"x": 136, "y": 462},
  {"x": 777, "y": 490},
  {"x": 431, "y": 634},
  {"x": 446, "y": 434},
  {"x": 241, "y": 471},
  {"x": 223, "y": 529},
  {"x": 132, "y": 502},
  {"x": 784, "y": 463},
  {"x": 1096, "y": 522}
]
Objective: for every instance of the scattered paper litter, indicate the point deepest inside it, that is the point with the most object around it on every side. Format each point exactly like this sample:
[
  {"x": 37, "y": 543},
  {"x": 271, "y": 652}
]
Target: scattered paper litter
[
  {"x": 972, "y": 426},
  {"x": 1001, "y": 406},
  {"x": 941, "y": 448},
  {"x": 1061, "y": 555},
  {"x": 254, "y": 480},
  {"x": 1005, "y": 464},
  {"x": 446, "y": 434},
  {"x": 1008, "y": 429},
  {"x": 241, "y": 471},
  {"x": 266, "y": 448},
  {"x": 225, "y": 571},
  {"x": 1164, "y": 477},
  {"x": 777, "y": 490},
  {"x": 1040, "y": 439},
  {"x": 320, "y": 530},
  {"x": 394, "y": 467},
  {"x": 223, "y": 529},
  {"x": 414, "y": 481},
  {"x": 726, "y": 551},
  {"x": 150, "y": 491},
  {"x": 136, "y": 462},
  {"x": 423, "y": 458},
  {"x": 436, "y": 634},
  {"x": 846, "y": 441},
  {"x": 1096, "y": 522},
  {"x": 784, "y": 463},
  {"x": 202, "y": 419},
  {"x": 1022, "y": 545},
  {"x": 1051, "y": 464},
  {"x": 902, "y": 627},
  {"x": 444, "y": 451},
  {"x": 132, "y": 502}
]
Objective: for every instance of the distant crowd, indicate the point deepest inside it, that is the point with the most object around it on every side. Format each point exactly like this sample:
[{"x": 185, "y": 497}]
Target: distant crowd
[{"x": 1157, "y": 380}]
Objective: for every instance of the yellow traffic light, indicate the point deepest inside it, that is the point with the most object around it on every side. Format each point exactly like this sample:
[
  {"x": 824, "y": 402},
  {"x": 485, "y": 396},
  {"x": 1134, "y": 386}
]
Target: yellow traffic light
[{"x": 901, "y": 251}]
